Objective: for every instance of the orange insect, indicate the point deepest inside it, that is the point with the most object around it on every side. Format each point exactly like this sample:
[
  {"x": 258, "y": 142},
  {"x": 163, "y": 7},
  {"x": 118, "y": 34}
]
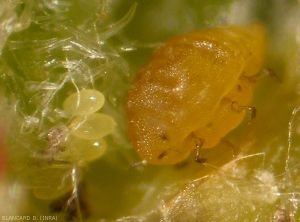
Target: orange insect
[{"x": 192, "y": 91}]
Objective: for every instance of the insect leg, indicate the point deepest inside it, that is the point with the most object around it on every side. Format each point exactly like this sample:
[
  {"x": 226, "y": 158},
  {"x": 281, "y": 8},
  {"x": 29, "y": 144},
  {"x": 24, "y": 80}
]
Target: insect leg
[
  {"x": 270, "y": 72},
  {"x": 251, "y": 109},
  {"x": 199, "y": 144},
  {"x": 235, "y": 150},
  {"x": 140, "y": 164},
  {"x": 266, "y": 71}
]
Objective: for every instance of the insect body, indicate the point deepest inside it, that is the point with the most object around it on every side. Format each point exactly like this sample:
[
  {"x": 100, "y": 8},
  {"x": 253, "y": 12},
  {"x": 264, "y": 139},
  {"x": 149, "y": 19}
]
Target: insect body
[{"x": 191, "y": 91}]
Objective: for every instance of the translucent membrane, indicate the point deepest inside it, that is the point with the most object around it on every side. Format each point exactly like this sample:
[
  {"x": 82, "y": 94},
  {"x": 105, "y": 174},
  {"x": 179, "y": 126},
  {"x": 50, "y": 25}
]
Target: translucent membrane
[
  {"x": 92, "y": 127},
  {"x": 86, "y": 102},
  {"x": 79, "y": 150}
]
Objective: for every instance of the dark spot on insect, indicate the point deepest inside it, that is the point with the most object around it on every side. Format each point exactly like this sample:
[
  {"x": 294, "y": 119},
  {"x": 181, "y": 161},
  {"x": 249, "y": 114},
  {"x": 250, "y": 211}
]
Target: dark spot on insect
[
  {"x": 162, "y": 155},
  {"x": 200, "y": 160},
  {"x": 239, "y": 87},
  {"x": 210, "y": 124},
  {"x": 68, "y": 205},
  {"x": 164, "y": 136}
]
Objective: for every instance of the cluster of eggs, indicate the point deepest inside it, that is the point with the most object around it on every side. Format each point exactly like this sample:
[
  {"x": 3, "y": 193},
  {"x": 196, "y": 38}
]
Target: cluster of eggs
[{"x": 88, "y": 128}]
